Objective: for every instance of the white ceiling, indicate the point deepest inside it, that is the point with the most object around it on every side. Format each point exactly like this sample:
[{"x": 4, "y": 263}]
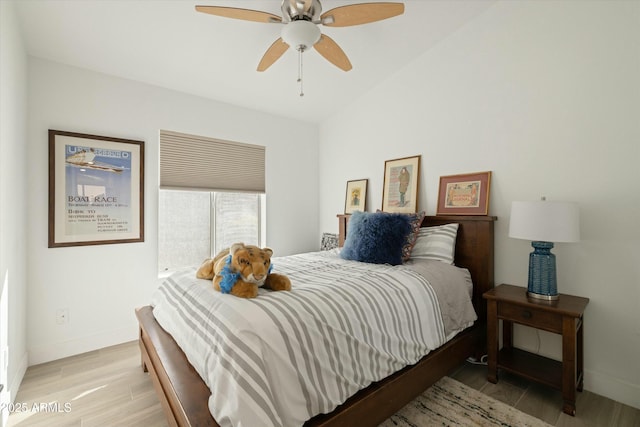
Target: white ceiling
[{"x": 168, "y": 44}]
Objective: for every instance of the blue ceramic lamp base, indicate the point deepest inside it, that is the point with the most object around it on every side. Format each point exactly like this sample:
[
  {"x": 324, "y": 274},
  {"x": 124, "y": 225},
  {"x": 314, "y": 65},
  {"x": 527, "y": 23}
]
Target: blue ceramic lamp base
[{"x": 542, "y": 272}]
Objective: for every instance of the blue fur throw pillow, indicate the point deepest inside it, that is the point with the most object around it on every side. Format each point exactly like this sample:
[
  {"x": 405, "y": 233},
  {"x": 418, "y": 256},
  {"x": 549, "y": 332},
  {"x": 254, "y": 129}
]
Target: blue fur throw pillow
[{"x": 377, "y": 238}]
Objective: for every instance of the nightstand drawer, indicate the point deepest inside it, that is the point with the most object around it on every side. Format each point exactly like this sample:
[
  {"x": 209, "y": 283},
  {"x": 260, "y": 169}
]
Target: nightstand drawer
[{"x": 530, "y": 317}]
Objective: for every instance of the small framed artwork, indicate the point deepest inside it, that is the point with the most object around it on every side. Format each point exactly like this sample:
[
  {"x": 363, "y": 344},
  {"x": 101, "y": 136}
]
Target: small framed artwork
[
  {"x": 356, "y": 197},
  {"x": 96, "y": 190},
  {"x": 400, "y": 189},
  {"x": 466, "y": 194}
]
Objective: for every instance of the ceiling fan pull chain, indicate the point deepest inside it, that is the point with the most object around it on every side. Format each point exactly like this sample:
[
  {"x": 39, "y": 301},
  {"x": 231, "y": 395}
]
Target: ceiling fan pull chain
[{"x": 300, "y": 70}]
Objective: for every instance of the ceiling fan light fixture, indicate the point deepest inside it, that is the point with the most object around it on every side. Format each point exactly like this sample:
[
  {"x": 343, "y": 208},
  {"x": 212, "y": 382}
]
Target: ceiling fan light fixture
[{"x": 301, "y": 34}]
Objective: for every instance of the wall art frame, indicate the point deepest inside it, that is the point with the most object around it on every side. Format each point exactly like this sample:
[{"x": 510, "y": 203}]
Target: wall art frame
[
  {"x": 400, "y": 188},
  {"x": 464, "y": 194},
  {"x": 356, "y": 196},
  {"x": 96, "y": 189}
]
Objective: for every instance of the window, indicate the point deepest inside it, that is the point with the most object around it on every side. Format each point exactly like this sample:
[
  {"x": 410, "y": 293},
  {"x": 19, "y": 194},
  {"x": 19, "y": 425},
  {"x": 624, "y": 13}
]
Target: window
[
  {"x": 211, "y": 196},
  {"x": 195, "y": 225}
]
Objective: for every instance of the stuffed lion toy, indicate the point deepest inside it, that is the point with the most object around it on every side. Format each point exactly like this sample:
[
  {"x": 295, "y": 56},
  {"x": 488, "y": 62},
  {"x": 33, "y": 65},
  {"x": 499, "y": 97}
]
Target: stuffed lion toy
[{"x": 241, "y": 270}]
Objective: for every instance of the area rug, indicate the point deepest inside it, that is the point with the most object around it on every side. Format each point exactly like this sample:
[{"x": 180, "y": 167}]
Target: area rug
[{"x": 451, "y": 403}]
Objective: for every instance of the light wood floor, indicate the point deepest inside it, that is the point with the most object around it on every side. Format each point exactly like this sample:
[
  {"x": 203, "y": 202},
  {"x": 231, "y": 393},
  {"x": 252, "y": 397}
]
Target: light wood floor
[
  {"x": 545, "y": 403},
  {"x": 103, "y": 388},
  {"x": 108, "y": 388}
]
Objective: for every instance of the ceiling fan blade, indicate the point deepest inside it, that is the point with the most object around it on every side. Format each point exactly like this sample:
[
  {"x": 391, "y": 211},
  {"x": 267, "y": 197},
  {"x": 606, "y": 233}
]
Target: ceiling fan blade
[
  {"x": 332, "y": 52},
  {"x": 272, "y": 54},
  {"x": 363, "y": 13},
  {"x": 244, "y": 14}
]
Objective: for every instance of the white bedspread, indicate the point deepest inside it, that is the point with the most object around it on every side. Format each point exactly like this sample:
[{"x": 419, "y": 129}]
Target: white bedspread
[{"x": 283, "y": 357}]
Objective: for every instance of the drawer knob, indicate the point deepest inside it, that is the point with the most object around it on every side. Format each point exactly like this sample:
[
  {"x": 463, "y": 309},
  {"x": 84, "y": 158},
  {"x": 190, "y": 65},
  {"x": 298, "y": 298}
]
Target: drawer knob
[{"x": 526, "y": 314}]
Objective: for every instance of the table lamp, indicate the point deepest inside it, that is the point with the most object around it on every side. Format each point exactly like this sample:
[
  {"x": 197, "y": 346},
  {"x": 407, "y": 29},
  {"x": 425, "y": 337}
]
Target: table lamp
[{"x": 544, "y": 222}]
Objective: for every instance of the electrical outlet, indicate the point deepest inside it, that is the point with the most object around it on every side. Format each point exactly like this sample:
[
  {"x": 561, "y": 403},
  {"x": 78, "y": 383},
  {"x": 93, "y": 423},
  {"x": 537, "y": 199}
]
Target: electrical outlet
[{"x": 62, "y": 316}]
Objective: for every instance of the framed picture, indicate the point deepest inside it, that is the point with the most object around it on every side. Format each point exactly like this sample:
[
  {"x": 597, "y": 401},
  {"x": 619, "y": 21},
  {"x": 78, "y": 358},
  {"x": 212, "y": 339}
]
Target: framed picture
[
  {"x": 96, "y": 190},
  {"x": 466, "y": 194},
  {"x": 356, "y": 197},
  {"x": 400, "y": 189}
]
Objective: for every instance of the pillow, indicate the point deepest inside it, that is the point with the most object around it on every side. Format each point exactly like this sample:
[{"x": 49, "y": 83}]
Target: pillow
[
  {"x": 377, "y": 238},
  {"x": 416, "y": 221},
  {"x": 438, "y": 243},
  {"x": 329, "y": 241}
]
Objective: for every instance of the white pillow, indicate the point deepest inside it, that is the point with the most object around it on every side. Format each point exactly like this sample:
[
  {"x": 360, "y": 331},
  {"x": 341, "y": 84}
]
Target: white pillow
[{"x": 437, "y": 243}]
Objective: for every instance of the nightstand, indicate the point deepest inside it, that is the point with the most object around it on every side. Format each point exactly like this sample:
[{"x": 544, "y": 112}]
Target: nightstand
[{"x": 563, "y": 316}]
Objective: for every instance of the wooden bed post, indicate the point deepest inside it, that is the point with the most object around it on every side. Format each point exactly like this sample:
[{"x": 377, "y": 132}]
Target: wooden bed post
[{"x": 342, "y": 227}]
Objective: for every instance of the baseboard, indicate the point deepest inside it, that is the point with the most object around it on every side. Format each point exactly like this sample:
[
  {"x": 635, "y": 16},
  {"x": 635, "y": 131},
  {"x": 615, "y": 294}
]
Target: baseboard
[
  {"x": 613, "y": 388},
  {"x": 61, "y": 350},
  {"x": 17, "y": 379},
  {"x": 9, "y": 394}
]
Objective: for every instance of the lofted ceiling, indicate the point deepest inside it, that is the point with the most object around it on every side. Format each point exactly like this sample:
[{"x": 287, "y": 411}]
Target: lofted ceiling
[{"x": 167, "y": 43}]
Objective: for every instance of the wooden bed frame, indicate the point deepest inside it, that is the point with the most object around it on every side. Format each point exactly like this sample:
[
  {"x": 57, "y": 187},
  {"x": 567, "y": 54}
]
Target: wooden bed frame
[{"x": 184, "y": 396}]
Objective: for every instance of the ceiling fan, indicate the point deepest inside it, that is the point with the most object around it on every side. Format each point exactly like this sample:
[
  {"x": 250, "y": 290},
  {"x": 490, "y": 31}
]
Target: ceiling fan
[{"x": 301, "y": 19}]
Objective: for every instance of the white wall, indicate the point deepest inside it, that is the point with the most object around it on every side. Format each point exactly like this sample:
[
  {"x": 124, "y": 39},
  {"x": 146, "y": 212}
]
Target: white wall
[
  {"x": 101, "y": 285},
  {"x": 547, "y": 96},
  {"x": 13, "y": 176}
]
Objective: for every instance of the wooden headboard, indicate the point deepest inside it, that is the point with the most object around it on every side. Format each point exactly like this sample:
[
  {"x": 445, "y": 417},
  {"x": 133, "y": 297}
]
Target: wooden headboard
[{"x": 474, "y": 250}]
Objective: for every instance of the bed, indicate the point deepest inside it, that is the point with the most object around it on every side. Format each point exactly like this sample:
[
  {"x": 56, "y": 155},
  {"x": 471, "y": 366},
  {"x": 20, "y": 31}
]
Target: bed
[{"x": 185, "y": 396}]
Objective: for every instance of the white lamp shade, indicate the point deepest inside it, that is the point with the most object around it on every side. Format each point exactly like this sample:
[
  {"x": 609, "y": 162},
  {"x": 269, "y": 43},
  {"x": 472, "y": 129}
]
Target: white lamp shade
[
  {"x": 545, "y": 221},
  {"x": 300, "y": 33}
]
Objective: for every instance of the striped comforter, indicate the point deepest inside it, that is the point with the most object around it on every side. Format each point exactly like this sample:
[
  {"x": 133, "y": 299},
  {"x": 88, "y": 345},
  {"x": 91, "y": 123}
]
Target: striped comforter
[{"x": 283, "y": 357}]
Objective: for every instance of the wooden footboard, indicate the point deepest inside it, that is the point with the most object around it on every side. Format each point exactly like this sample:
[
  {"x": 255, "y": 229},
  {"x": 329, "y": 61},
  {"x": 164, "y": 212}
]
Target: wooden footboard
[{"x": 182, "y": 393}]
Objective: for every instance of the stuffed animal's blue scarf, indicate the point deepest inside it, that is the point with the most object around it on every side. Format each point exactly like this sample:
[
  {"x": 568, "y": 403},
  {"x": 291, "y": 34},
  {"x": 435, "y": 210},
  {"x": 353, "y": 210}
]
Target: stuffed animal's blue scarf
[{"x": 230, "y": 277}]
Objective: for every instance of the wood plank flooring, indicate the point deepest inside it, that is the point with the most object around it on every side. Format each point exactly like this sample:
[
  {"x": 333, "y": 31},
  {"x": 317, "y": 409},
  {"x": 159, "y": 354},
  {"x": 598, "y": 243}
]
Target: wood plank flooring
[
  {"x": 102, "y": 388},
  {"x": 545, "y": 403},
  {"x": 108, "y": 388}
]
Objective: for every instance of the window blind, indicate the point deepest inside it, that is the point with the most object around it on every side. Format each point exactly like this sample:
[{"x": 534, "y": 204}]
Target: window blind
[{"x": 201, "y": 163}]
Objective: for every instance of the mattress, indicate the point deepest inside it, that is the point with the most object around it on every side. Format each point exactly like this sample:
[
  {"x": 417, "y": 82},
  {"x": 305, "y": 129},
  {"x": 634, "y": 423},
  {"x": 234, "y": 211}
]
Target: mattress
[{"x": 284, "y": 357}]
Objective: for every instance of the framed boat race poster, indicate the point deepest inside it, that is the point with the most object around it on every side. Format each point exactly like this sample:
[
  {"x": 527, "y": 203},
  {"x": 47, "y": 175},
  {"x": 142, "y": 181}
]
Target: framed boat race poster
[{"x": 96, "y": 190}]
